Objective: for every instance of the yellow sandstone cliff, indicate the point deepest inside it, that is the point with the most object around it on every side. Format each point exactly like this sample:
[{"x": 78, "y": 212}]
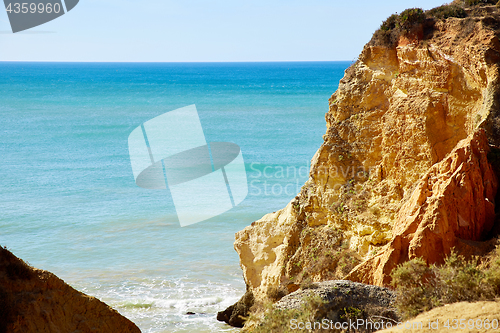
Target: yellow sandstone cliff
[{"x": 403, "y": 170}]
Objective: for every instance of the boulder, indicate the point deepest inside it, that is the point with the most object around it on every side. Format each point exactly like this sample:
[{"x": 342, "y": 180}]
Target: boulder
[
  {"x": 236, "y": 315},
  {"x": 344, "y": 300}
]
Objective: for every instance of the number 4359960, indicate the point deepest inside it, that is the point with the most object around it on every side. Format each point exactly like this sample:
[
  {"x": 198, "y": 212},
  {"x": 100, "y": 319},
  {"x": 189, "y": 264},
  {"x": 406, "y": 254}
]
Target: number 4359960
[
  {"x": 471, "y": 324},
  {"x": 33, "y": 7}
]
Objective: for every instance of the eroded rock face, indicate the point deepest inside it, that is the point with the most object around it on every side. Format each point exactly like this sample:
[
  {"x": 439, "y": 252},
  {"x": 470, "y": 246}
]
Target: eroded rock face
[
  {"x": 37, "y": 301},
  {"x": 396, "y": 117},
  {"x": 454, "y": 200}
]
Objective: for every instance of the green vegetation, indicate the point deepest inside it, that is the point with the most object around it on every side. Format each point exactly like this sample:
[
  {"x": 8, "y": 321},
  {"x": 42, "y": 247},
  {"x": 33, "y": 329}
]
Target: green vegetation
[
  {"x": 473, "y": 3},
  {"x": 313, "y": 310},
  {"x": 332, "y": 264},
  {"x": 405, "y": 21},
  {"x": 421, "y": 287},
  {"x": 278, "y": 321},
  {"x": 414, "y": 20},
  {"x": 323, "y": 253},
  {"x": 445, "y": 11},
  {"x": 351, "y": 313},
  {"x": 409, "y": 17},
  {"x": 397, "y": 25}
]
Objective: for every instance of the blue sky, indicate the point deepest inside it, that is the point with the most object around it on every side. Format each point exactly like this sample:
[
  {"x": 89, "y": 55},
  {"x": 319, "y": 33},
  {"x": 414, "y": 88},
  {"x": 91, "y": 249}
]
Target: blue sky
[{"x": 197, "y": 30}]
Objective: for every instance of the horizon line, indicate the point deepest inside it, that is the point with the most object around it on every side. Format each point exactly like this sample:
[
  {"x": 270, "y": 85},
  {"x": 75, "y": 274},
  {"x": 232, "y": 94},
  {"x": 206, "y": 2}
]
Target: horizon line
[{"x": 170, "y": 62}]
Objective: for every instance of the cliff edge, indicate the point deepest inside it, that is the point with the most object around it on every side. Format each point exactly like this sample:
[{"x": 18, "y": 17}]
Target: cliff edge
[
  {"x": 37, "y": 301},
  {"x": 407, "y": 166}
]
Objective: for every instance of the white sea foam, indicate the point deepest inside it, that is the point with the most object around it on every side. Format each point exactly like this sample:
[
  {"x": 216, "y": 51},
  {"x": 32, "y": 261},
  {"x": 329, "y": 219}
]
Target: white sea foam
[{"x": 158, "y": 305}]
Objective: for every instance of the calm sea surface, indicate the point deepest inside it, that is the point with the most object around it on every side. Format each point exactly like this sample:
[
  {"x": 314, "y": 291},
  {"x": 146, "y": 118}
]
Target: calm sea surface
[{"x": 69, "y": 203}]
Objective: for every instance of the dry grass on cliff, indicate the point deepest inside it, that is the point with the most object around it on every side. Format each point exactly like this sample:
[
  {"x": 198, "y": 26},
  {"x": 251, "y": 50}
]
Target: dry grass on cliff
[
  {"x": 421, "y": 288},
  {"x": 414, "y": 21},
  {"x": 472, "y": 3},
  {"x": 323, "y": 254}
]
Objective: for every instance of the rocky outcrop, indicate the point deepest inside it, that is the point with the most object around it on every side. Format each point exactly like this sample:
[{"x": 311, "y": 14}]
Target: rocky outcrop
[
  {"x": 343, "y": 299},
  {"x": 37, "y": 301},
  {"x": 403, "y": 169},
  {"x": 454, "y": 200},
  {"x": 237, "y": 314}
]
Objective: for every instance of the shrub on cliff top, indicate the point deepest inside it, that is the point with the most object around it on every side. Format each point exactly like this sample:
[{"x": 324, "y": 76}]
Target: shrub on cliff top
[
  {"x": 409, "y": 17},
  {"x": 421, "y": 287},
  {"x": 445, "y": 11},
  {"x": 396, "y": 25},
  {"x": 404, "y": 21},
  {"x": 473, "y": 3}
]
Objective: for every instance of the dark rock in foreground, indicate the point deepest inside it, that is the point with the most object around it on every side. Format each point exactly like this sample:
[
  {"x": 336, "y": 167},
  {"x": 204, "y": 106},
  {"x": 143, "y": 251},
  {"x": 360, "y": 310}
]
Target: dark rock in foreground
[
  {"x": 36, "y": 301},
  {"x": 236, "y": 314}
]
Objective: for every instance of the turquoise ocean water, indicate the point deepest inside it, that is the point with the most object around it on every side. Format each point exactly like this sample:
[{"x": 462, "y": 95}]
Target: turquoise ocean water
[{"x": 68, "y": 201}]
